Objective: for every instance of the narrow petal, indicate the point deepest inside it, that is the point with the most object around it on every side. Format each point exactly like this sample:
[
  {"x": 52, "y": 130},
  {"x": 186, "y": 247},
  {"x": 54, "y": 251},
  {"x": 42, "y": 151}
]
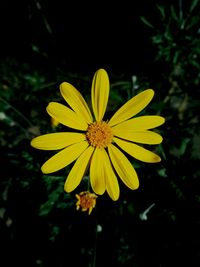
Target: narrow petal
[
  {"x": 140, "y": 123},
  {"x": 76, "y": 101},
  {"x": 132, "y": 107},
  {"x": 123, "y": 167},
  {"x": 137, "y": 152},
  {"x": 100, "y": 93},
  {"x": 66, "y": 116},
  {"x": 77, "y": 172},
  {"x": 64, "y": 157},
  {"x": 54, "y": 141},
  {"x": 97, "y": 174},
  {"x": 143, "y": 137},
  {"x": 112, "y": 185}
]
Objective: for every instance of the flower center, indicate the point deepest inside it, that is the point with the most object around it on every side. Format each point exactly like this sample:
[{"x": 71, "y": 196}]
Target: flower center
[
  {"x": 99, "y": 134},
  {"x": 86, "y": 201}
]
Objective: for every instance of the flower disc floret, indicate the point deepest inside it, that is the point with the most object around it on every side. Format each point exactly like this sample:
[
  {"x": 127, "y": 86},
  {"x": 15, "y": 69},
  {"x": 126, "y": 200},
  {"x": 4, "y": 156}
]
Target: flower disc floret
[
  {"x": 99, "y": 134},
  {"x": 86, "y": 201}
]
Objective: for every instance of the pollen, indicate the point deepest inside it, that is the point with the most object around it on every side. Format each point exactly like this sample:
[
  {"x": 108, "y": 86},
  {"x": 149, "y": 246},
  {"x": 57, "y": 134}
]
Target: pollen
[
  {"x": 86, "y": 201},
  {"x": 99, "y": 134}
]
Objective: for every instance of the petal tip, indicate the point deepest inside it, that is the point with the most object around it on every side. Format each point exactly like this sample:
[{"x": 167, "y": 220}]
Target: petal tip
[
  {"x": 114, "y": 197},
  {"x": 150, "y": 91},
  {"x": 157, "y": 159},
  {"x": 162, "y": 120},
  {"x": 136, "y": 186},
  {"x": 32, "y": 142},
  {"x": 64, "y": 86},
  {"x": 101, "y": 71},
  {"x": 49, "y": 106},
  {"x": 66, "y": 188},
  {"x": 45, "y": 169}
]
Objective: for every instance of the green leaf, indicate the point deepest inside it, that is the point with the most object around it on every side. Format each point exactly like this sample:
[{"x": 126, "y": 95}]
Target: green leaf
[
  {"x": 52, "y": 200},
  {"x": 162, "y": 10},
  {"x": 162, "y": 152},
  {"x": 157, "y": 39},
  {"x": 193, "y": 5},
  {"x": 162, "y": 172},
  {"x": 184, "y": 145},
  {"x": 173, "y": 12},
  {"x": 146, "y": 22},
  {"x": 175, "y": 58}
]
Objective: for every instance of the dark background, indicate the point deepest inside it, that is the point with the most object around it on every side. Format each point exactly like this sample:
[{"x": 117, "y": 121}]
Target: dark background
[
  {"x": 44, "y": 41},
  {"x": 81, "y": 35}
]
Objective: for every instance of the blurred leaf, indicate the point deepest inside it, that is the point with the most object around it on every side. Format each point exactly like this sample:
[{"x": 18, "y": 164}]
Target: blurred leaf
[
  {"x": 184, "y": 145},
  {"x": 162, "y": 10},
  {"x": 161, "y": 149},
  {"x": 175, "y": 58},
  {"x": 195, "y": 64},
  {"x": 55, "y": 230},
  {"x": 46, "y": 208},
  {"x": 173, "y": 12},
  {"x": 145, "y": 21},
  {"x": 193, "y": 5},
  {"x": 157, "y": 39},
  {"x": 162, "y": 172}
]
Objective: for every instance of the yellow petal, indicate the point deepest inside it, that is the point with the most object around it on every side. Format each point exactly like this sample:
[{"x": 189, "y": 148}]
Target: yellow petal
[
  {"x": 54, "y": 141},
  {"x": 132, "y": 107},
  {"x": 78, "y": 170},
  {"x": 112, "y": 186},
  {"x": 66, "y": 116},
  {"x": 137, "y": 152},
  {"x": 143, "y": 137},
  {"x": 140, "y": 123},
  {"x": 64, "y": 157},
  {"x": 123, "y": 167},
  {"x": 100, "y": 93},
  {"x": 97, "y": 174},
  {"x": 76, "y": 101}
]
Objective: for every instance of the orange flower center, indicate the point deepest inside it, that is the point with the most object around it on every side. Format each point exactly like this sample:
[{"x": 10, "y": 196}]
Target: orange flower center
[
  {"x": 99, "y": 134},
  {"x": 86, "y": 201}
]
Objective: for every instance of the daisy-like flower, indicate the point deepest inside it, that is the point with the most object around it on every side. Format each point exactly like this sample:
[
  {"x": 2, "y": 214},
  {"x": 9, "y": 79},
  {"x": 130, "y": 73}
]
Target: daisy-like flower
[
  {"x": 96, "y": 143},
  {"x": 86, "y": 201}
]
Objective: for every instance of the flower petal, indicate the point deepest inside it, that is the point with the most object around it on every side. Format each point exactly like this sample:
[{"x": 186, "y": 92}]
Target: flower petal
[
  {"x": 140, "y": 123},
  {"x": 112, "y": 185},
  {"x": 100, "y": 93},
  {"x": 137, "y": 152},
  {"x": 64, "y": 157},
  {"x": 78, "y": 170},
  {"x": 132, "y": 107},
  {"x": 97, "y": 174},
  {"x": 66, "y": 116},
  {"x": 143, "y": 137},
  {"x": 76, "y": 101},
  {"x": 123, "y": 167},
  {"x": 54, "y": 141}
]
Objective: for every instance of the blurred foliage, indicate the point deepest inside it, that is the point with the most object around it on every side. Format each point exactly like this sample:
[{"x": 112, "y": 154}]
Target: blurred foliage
[{"x": 143, "y": 227}]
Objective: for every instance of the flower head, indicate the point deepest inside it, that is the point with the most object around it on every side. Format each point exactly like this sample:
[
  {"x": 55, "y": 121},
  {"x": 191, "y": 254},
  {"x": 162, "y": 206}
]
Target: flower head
[
  {"x": 86, "y": 201},
  {"x": 96, "y": 143}
]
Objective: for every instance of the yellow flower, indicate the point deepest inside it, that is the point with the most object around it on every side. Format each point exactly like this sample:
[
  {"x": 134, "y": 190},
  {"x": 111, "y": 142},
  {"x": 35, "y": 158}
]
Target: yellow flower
[
  {"x": 86, "y": 201},
  {"x": 98, "y": 144}
]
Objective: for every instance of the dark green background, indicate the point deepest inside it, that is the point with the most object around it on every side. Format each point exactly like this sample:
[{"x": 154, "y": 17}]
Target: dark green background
[{"x": 44, "y": 43}]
